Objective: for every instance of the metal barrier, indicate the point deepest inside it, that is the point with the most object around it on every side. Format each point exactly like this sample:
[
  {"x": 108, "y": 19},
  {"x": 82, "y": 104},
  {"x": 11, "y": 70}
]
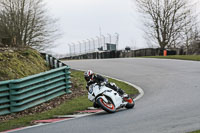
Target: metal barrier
[
  {"x": 18, "y": 95},
  {"x": 52, "y": 61}
]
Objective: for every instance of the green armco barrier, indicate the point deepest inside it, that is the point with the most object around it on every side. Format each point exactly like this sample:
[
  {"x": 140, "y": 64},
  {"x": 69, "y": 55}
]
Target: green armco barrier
[{"x": 18, "y": 95}]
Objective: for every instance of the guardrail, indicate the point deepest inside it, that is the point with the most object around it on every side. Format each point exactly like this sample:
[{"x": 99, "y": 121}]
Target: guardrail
[
  {"x": 52, "y": 61},
  {"x": 18, "y": 95}
]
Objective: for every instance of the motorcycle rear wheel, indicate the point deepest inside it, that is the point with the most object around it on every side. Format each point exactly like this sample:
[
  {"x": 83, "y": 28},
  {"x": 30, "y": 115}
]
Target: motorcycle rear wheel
[{"x": 107, "y": 106}]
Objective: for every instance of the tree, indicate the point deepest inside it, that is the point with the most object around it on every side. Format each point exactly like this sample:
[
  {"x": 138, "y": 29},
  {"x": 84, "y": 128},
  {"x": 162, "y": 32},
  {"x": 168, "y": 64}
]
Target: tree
[
  {"x": 191, "y": 33},
  {"x": 26, "y": 23},
  {"x": 165, "y": 20}
]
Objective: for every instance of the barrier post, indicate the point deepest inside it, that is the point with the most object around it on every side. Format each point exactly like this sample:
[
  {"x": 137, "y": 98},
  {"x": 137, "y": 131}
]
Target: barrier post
[
  {"x": 12, "y": 102},
  {"x": 165, "y": 53},
  {"x": 67, "y": 80}
]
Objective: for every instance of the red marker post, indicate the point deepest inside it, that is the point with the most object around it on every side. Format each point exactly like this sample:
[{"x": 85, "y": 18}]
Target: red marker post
[{"x": 165, "y": 53}]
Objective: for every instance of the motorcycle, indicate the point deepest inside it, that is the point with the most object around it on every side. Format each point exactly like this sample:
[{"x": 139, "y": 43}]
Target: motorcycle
[{"x": 108, "y": 99}]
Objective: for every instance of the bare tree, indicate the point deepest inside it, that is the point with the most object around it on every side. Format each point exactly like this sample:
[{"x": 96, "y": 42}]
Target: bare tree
[
  {"x": 165, "y": 20},
  {"x": 189, "y": 35},
  {"x": 26, "y": 23}
]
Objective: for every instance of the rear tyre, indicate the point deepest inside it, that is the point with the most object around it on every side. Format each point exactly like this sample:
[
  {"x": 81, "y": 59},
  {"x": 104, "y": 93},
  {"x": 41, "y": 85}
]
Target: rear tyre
[
  {"x": 107, "y": 106},
  {"x": 130, "y": 103}
]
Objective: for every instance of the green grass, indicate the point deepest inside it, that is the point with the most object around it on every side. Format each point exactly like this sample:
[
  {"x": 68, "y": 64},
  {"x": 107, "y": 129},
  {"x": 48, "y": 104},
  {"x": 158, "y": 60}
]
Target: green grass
[
  {"x": 21, "y": 63},
  {"x": 127, "y": 88},
  {"x": 195, "y": 132},
  {"x": 180, "y": 57},
  {"x": 69, "y": 107}
]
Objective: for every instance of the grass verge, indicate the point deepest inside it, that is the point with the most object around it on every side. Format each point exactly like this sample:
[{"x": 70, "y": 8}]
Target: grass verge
[
  {"x": 68, "y": 107},
  {"x": 21, "y": 63},
  {"x": 180, "y": 57},
  {"x": 195, "y": 132}
]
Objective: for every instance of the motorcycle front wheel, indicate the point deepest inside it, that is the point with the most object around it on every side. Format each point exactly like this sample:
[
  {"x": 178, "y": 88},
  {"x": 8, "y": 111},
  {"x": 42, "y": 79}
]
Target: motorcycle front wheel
[{"x": 107, "y": 106}]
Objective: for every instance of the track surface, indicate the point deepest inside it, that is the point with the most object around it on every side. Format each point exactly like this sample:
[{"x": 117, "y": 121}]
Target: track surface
[{"x": 171, "y": 103}]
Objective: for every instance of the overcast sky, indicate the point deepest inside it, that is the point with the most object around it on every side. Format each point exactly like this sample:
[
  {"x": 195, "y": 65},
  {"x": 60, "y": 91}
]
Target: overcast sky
[{"x": 83, "y": 19}]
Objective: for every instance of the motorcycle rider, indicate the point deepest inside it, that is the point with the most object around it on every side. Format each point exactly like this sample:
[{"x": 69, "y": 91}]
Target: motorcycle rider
[{"x": 92, "y": 78}]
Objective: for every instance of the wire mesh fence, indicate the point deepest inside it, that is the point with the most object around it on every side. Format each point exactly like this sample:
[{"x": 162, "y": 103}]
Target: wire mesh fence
[{"x": 98, "y": 43}]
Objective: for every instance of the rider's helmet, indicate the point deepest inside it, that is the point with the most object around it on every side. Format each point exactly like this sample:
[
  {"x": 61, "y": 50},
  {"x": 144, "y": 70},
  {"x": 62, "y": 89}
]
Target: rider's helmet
[{"x": 88, "y": 75}]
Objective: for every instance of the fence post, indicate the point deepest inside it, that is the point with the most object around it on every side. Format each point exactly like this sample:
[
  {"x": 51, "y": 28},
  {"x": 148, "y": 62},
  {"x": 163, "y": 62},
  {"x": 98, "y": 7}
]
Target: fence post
[
  {"x": 55, "y": 63},
  {"x": 51, "y": 62},
  {"x": 47, "y": 58},
  {"x": 60, "y": 64}
]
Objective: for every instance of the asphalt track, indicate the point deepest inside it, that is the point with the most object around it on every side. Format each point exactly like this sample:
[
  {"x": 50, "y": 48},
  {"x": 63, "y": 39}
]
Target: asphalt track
[{"x": 171, "y": 103}]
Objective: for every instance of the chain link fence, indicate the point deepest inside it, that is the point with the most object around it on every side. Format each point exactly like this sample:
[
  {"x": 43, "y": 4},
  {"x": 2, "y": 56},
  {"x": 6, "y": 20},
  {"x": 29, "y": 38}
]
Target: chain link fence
[{"x": 98, "y": 43}]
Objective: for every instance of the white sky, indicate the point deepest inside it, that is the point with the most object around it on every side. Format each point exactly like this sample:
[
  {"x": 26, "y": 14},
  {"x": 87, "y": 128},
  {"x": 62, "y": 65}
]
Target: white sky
[{"x": 82, "y": 19}]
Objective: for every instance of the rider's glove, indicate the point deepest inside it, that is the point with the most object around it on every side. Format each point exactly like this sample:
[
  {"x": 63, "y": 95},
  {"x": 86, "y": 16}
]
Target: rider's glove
[
  {"x": 103, "y": 83},
  {"x": 113, "y": 84}
]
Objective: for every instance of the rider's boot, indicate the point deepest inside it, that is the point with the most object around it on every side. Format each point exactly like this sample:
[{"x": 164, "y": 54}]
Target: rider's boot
[
  {"x": 116, "y": 88},
  {"x": 122, "y": 93},
  {"x": 95, "y": 105}
]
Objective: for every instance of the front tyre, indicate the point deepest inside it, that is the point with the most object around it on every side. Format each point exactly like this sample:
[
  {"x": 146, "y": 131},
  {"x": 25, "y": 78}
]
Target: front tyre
[
  {"x": 107, "y": 106},
  {"x": 130, "y": 104}
]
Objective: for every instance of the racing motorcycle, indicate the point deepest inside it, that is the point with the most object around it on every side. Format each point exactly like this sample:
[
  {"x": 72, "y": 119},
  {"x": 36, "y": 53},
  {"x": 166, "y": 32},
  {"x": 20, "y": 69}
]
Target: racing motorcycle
[{"x": 108, "y": 99}]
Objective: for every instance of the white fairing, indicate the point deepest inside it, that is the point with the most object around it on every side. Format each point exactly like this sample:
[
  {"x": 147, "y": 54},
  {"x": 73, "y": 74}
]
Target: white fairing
[{"x": 95, "y": 90}]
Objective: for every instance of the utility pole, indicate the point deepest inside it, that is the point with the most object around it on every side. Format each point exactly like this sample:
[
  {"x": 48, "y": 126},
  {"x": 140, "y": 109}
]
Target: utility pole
[
  {"x": 98, "y": 41},
  {"x": 85, "y": 46},
  {"x": 89, "y": 44},
  {"x": 100, "y": 31},
  {"x": 80, "y": 47},
  {"x": 74, "y": 49},
  {"x": 104, "y": 43},
  {"x": 93, "y": 43},
  {"x": 117, "y": 40},
  {"x": 69, "y": 50},
  {"x": 109, "y": 38}
]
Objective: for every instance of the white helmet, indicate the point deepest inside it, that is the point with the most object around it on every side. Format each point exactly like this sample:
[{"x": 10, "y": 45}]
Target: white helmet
[{"x": 88, "y": 75}]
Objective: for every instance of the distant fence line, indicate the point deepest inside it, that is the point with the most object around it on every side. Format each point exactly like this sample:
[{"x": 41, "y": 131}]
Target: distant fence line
[
  {"x": 90, "y": 45},
  {"x": 124, "y": 53}
]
